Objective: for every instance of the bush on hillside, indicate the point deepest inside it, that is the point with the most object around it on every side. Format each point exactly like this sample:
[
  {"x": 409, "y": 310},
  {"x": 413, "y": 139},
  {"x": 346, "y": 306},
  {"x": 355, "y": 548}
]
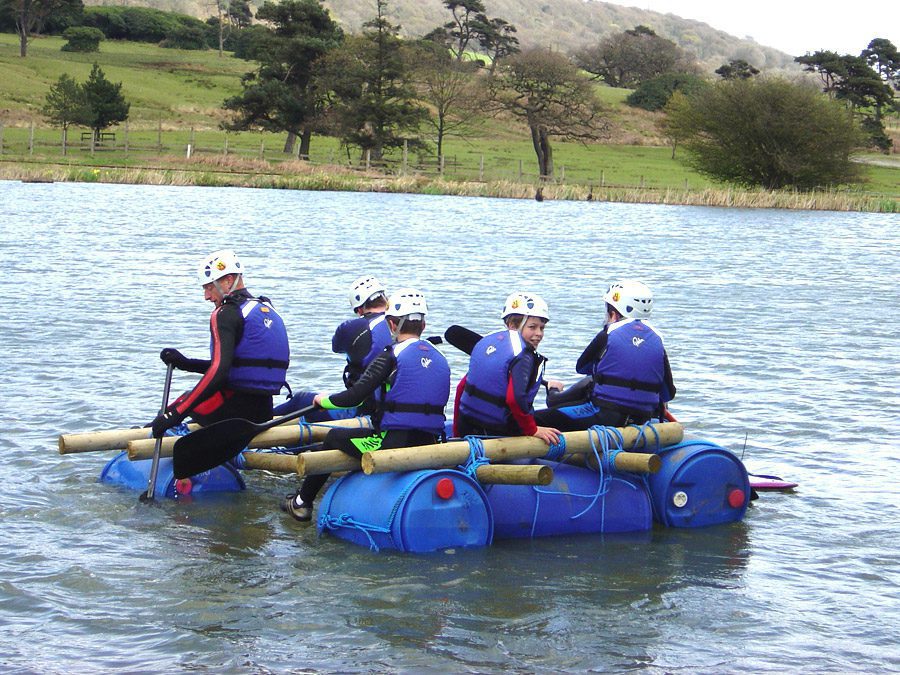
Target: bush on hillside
[
  {"x": 654, "y": 94},
  {"x": 186, "y": 37},
  {"x": 82, "y": 39},
  {"x": 139, "y": 24},
  {"x": 250, "y": 43}
]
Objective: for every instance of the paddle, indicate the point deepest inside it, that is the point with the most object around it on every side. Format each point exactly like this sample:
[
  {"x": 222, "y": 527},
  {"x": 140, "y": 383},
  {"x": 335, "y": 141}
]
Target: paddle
[
  {"x": 462, "y": 338},
  {"x": 208, "y": 447},
  {"x": 150, "y": 494}
]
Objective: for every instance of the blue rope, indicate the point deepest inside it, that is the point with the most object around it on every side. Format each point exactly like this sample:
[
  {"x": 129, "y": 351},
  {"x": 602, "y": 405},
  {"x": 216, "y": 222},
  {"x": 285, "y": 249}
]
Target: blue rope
[
  {"x": 328, "y": 522},
  {"x": 558, "y": 451},
  {"x": 476, "y": 457},
  {"x": 642, "y": 435}
]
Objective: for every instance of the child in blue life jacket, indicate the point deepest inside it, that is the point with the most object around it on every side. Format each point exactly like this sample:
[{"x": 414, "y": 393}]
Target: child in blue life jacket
[{"x": 496, "y": 397}]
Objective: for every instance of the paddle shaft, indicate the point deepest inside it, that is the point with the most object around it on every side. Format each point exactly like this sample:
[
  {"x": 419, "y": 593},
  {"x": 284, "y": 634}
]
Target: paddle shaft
[{"x": 150, "y": 495}]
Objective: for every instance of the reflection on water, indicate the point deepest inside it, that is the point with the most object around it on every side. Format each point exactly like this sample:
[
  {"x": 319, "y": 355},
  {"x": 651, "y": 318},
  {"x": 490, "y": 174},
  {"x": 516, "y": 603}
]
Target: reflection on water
[{"x": 781, "y": 328}]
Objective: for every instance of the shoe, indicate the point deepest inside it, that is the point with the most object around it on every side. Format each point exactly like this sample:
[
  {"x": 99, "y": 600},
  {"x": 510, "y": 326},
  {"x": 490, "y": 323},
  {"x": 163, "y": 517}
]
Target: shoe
[{"x": 302, "y": 512}]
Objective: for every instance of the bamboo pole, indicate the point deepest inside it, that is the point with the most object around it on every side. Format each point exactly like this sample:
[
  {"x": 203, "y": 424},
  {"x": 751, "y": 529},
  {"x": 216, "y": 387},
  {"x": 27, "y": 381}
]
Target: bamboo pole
[
  {"x": 514, "y": 474},
  {"x": 522, "y": 447},
  {"x": 289, "y": 434},
  {"x": 118, "y": 439}
]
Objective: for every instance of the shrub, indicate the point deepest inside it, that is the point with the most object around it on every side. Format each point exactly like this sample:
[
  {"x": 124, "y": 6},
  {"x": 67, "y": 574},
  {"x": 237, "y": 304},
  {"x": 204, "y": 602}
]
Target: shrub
[
  {"x": 655, "y": 93},
  {"x": 82, "y": 39},
  {"x": 186, "y": 37}
]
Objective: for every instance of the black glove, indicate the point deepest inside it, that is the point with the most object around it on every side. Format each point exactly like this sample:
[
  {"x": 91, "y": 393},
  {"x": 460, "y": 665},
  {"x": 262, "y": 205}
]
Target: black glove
[
  {"x": 164, "y": 421},
  {"x": 174, "y": 357}
]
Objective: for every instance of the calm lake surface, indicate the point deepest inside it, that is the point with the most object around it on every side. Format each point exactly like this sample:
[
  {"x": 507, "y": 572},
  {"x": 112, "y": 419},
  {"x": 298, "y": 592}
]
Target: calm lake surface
[{"x": 783, "y": 329}]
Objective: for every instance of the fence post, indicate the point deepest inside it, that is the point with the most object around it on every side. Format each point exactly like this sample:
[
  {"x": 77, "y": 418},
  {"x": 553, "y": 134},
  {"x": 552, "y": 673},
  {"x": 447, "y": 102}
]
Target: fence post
[
  {"x": 191, "y": 138},
  {"x": 602, "y": 179},
  {"x": 93, "y": 141},
  {"x": 562, "y": 173},
  {"x": 642, "y": 182},
  {"x": 405, "y": 157},
  {"x": 262, "y": 149},
  {"x": 368, "y": 158},
  {"x": 481, "y": 169},
  {"x": 31, "y": 139},
  {"x": 441, "y": 167},
  {"x": 1, "y": 138},
  {"x": 225, "y": 148},
  {"x": 65, "y": 134},
  {"x": 159, "y": 137},
  {"x": 520, "y": 169},
  {"x": 126, "y": 137},
  {"x": 187, "y": 153}
]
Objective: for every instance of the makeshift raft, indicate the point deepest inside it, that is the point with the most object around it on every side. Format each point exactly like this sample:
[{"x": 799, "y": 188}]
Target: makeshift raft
[{"x": 469, "y": 492}]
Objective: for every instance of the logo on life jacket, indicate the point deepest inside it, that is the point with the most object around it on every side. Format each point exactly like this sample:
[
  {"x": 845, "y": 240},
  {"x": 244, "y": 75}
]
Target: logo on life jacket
[
  {"x": 426, "y": 362},
  {"x": 490, "y": 350},
  {"x": 636, "y": 341},
  {"x": 267, "y": 322}
]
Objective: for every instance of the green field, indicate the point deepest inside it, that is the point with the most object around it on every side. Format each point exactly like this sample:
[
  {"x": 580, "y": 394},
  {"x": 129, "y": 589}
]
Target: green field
[{"x": 176, "y": 99}]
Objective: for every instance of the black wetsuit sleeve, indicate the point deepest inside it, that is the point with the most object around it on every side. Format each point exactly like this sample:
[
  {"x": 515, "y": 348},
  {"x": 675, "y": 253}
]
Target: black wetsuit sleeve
[
  {"x": 591, "y": 353},
  {"x": 668, "y": 392},
  {"x": 377, "y": 372},
  {"x": 225, "y": 326}
]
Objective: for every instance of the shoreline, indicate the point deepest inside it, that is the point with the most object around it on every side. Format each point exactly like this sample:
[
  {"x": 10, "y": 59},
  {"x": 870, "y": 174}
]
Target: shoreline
[{"x": 298, "y": 175}]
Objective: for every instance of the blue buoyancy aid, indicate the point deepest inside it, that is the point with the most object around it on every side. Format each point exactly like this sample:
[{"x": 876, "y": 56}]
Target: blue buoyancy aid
[
  {"x": 381, "y": 338},
  {"x": 484, "y": 397},
  {"x": 631, "y": 371},
  {"x": 419, "y": 389},
  {"x": 262, "y": 355}
]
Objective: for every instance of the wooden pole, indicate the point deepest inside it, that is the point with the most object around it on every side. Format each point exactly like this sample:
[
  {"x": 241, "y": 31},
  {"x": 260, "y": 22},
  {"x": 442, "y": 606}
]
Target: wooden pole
[
  {"x": 270, "y": 461},
  {"x": 118, "y": 439},
  {"x": 481, "y": 169},
  {"x": 287, "y": 435},
  {"x": 1, "y": 138},
  {"x": 405, "y": 157},
  {"x": 31, "y": 139},
  {"x": 514, "y": 474},
  {"x": 126, "y": 137},
  {"x": 454, "y": 453}
]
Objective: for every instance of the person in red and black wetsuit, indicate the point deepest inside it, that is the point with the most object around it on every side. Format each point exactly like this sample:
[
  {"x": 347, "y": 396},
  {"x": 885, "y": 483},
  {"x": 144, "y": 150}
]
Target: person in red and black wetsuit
[{"x": 249, "y": 353}]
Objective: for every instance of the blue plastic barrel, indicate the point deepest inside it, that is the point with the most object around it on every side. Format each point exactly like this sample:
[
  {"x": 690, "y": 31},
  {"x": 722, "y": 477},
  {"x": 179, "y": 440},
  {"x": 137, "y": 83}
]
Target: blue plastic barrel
[
  {"x": 699, "y": 484},
  {"x": 135, "y": 476},
  {"x": 578, "y": 501},
  {"x": 415, "y": 511}
]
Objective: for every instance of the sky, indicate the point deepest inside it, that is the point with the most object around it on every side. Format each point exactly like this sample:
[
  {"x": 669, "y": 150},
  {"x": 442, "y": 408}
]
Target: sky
[{"x": 801, "y": 26}]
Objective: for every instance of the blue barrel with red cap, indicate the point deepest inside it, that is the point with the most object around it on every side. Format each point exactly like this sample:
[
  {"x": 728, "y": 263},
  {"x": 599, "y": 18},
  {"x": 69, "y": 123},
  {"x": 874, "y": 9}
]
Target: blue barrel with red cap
[
  {"x": 415, "y": 511},
  {"x": 134, "y": 475},
  {"x": 699, "y": 484}
]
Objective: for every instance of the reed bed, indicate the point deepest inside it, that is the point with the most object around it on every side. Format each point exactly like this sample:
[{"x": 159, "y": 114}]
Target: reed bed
[{"x": 296, "y": 175}]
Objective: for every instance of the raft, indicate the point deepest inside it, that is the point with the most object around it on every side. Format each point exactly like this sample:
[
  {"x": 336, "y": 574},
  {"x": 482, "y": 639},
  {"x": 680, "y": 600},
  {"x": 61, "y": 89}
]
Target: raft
[{"x": 423, "y": 510}]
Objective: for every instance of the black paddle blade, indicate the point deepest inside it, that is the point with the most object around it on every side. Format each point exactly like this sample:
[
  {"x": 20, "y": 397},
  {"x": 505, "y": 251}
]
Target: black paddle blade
[
  {"x": 462, "y": 338},
  {"x": 207, "y": 448}
]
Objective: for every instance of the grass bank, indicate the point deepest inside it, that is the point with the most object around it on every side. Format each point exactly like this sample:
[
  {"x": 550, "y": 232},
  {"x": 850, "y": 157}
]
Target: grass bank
[{"x": 176, "y": 97}]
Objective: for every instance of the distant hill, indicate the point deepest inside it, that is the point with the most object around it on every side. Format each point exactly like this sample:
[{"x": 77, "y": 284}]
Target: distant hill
[{"x": 563, "y": 25}]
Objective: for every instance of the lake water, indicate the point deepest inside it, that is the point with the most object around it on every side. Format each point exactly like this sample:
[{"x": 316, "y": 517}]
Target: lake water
[{"x": 783, "y": 329}]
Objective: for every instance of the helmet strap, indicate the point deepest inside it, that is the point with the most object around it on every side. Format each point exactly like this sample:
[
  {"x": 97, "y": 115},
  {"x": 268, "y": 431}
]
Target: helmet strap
[
  {"x": 222, "y": 291},
  {"x": 396, "y": 333}
]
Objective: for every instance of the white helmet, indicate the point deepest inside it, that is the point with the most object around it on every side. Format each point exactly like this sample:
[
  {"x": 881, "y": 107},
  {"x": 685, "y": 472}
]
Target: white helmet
[
  {"x": 364, "y": 289},
  {"x": 408, "y": 303},
  {"x": 526, "y": 304},
  {"x": 632, "y": 299},
  {"x": 217, "y": 265}
]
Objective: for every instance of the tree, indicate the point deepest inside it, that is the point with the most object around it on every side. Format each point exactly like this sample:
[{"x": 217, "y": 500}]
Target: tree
[
  {"x": 104, "y": 104},
  {"x": 468, "y": 17},
  {"x": 828, "y": 65},
  {"x": 545, "y": 91},
  {"x": 737, "y": 69},
  {"x": 372, "y": 101},
  {"x": 766, "y": 132},
  {"x": 239, "y": 14},
  {"x": 497, "y": 38},
  {"x": 884, "y": 57},
  {"x": 30, "y": 15},
  {"x": 280, "y": 95},
  {"x": 451, "y": 90},
  {"x": 64, "y": 105},
  {"x": 634, "y": 56}
]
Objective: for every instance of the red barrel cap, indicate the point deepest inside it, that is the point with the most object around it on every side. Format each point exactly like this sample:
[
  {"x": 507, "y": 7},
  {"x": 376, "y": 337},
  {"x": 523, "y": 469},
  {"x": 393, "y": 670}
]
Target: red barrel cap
[
  {"x": 736, "y": 498},
  {"x": 445, "y": 488}
]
